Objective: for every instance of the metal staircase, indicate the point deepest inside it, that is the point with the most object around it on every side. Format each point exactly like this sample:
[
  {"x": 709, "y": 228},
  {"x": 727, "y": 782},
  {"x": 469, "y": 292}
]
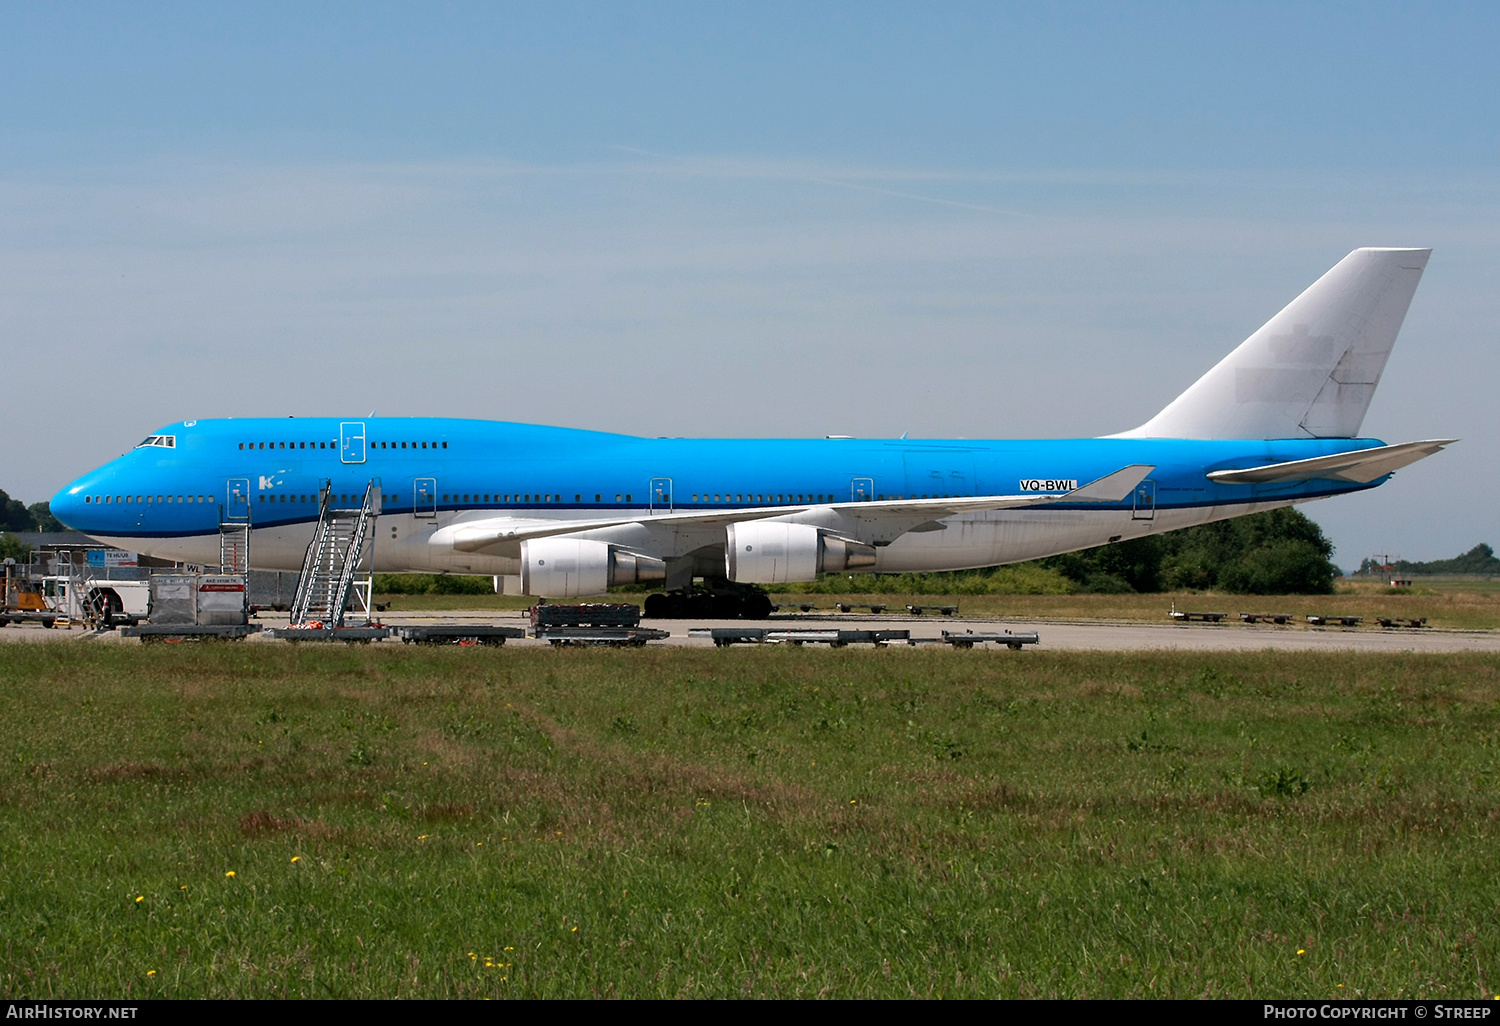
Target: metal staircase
[
  {"x": 333, "y": 559},
  {"x": 234, "y": 528},
  {"x": 234, "y": 547}
]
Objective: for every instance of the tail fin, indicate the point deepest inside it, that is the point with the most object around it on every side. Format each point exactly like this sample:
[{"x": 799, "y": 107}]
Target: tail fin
[{"x": 1311, "y": 371}]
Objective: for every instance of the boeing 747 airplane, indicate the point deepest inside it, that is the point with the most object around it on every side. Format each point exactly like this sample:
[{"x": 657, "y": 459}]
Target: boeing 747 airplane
[{"x": 559, "y": 513}]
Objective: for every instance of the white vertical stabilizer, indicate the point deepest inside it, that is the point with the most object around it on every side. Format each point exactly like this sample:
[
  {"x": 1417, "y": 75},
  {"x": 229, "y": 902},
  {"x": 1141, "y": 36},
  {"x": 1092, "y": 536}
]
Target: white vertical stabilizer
[{"x": 1311, "y": 371}]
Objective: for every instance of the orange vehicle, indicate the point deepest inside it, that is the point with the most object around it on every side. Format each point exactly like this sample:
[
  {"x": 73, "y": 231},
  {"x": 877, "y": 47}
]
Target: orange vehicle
[{"x": 22, "y": 599}]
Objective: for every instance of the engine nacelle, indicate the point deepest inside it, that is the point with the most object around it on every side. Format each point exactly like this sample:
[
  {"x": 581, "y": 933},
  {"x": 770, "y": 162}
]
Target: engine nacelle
[
  {"x": 779, "y": 553},
  {"x": 570, "y": 567}
]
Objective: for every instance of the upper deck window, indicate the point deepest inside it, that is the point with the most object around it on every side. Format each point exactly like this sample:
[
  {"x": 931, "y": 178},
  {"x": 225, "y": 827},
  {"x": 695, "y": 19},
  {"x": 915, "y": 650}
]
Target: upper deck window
[{"x": 161, "y": 441}]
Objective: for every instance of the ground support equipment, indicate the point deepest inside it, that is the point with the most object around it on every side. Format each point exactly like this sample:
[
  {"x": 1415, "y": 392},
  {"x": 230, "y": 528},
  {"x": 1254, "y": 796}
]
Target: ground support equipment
[
  {"x": 465, "y": 634},
  {"x": 340, "y": 546},
  {"x": 615, "y": 637},
  {"x": 723, "y": 637},
  {"x": 177, "y": 632},
  {"x": 968, "y": 639},
  {"x": 364, "y": 635},
  {"x": 45, "y": 619}
]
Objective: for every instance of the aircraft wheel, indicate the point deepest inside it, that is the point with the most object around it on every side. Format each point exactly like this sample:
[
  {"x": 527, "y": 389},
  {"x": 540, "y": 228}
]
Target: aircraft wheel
[
  {"x": 726, "y": 607},
  {"x": 656, "y": 607},
  {"x": 756, "y": 607}
]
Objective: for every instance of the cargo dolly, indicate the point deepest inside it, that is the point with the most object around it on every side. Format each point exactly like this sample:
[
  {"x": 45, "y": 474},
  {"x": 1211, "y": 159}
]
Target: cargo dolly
[
  {"x": 465, "y": 634},
  {"x": 968, "y": 639},
  {"x": 172, "y": 633},
  {"x": 1318, "y": 620},
  {"x": 616, "y": 624},
  {"x": 622, "y": 637},
  {"x": 723, "y": 637},
  {"x": 363, "y": 635}
]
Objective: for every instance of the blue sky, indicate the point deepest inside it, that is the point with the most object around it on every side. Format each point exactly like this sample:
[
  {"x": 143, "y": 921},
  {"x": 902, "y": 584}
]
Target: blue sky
[{"x": 953, "y": 220}]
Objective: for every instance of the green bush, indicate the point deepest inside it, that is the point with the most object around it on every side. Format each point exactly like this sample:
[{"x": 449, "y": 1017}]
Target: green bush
[
  {"x": 433, "y": 584},
  {"x": 11, "y": 548},
  {"x": 1277, "y": 552}
]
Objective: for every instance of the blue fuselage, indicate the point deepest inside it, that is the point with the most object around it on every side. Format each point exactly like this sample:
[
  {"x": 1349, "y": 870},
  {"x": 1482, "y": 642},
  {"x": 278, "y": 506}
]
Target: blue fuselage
[{"x": 426, "y": 466}]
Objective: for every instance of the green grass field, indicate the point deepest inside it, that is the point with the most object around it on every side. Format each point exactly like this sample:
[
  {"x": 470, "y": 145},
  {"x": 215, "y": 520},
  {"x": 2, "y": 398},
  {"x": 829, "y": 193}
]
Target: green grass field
[{"x": 257, "y": 821}]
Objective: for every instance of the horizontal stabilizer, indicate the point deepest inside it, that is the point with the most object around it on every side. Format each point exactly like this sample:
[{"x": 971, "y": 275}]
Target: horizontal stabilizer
[
  {"x": 1361, "y": 466},
  {"x": 1115, "y": 487}
]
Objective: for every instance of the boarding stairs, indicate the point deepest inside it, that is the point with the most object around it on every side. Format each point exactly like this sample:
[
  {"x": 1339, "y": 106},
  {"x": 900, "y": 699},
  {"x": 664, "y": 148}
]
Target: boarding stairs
[
  {"x": 333, "y": 560},
  {"x": 234, "y": 547}
]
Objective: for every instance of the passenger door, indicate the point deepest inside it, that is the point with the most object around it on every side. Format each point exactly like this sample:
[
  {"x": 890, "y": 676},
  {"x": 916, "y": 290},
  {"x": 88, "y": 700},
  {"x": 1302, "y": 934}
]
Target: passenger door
[
  {"x": 352, "y": 441},
  {"x": 661, "y": 495},
  {"x": 237, "y": 499},
  {"x": 1145, "y": 501},
  {"x": 424, "y": 497}
]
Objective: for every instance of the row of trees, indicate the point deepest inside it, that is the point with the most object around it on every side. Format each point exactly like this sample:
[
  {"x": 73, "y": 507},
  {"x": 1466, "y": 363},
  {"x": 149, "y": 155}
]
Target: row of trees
[
  {"x": 1478, "y": 560},
  {"x": 17, "y": 516},
  {"x": 1279, "y": 552}
]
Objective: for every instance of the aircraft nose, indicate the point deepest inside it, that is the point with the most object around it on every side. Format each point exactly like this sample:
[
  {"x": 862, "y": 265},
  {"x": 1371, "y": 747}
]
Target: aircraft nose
[{"x": 67, "y": 505}]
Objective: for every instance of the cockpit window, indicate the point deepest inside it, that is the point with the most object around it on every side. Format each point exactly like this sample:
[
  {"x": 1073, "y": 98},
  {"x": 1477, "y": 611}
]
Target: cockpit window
[{"x": 161, "y": 441}]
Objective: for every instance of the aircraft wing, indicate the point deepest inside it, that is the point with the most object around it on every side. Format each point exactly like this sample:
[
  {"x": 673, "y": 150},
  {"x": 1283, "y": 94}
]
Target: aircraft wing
[
  {"x": 477, "y": 535},
  {"x": 1361, "y": 466}
]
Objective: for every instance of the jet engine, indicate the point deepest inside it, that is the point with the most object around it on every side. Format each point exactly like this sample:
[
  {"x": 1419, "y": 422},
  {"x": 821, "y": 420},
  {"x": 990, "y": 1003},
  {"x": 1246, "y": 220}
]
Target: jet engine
[
  {"x": 569, "y": 567},
  {"x": 779, "y": 553}
]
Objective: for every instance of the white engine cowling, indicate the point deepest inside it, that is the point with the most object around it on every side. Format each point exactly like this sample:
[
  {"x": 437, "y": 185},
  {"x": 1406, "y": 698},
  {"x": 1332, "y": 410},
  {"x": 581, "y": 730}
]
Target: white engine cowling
[
  {"x": 570, "y": 567},
  {"x": 779, "y": 553}
]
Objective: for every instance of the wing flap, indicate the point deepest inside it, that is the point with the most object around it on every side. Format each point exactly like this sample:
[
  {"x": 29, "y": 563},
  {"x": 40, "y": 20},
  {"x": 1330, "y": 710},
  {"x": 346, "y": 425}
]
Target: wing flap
[{"x": 1361, "y": 466}]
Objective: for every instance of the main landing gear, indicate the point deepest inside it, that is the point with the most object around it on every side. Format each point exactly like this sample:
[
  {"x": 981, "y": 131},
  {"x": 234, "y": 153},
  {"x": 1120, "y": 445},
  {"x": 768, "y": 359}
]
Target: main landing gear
[{"x": 713, "y": 600}]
